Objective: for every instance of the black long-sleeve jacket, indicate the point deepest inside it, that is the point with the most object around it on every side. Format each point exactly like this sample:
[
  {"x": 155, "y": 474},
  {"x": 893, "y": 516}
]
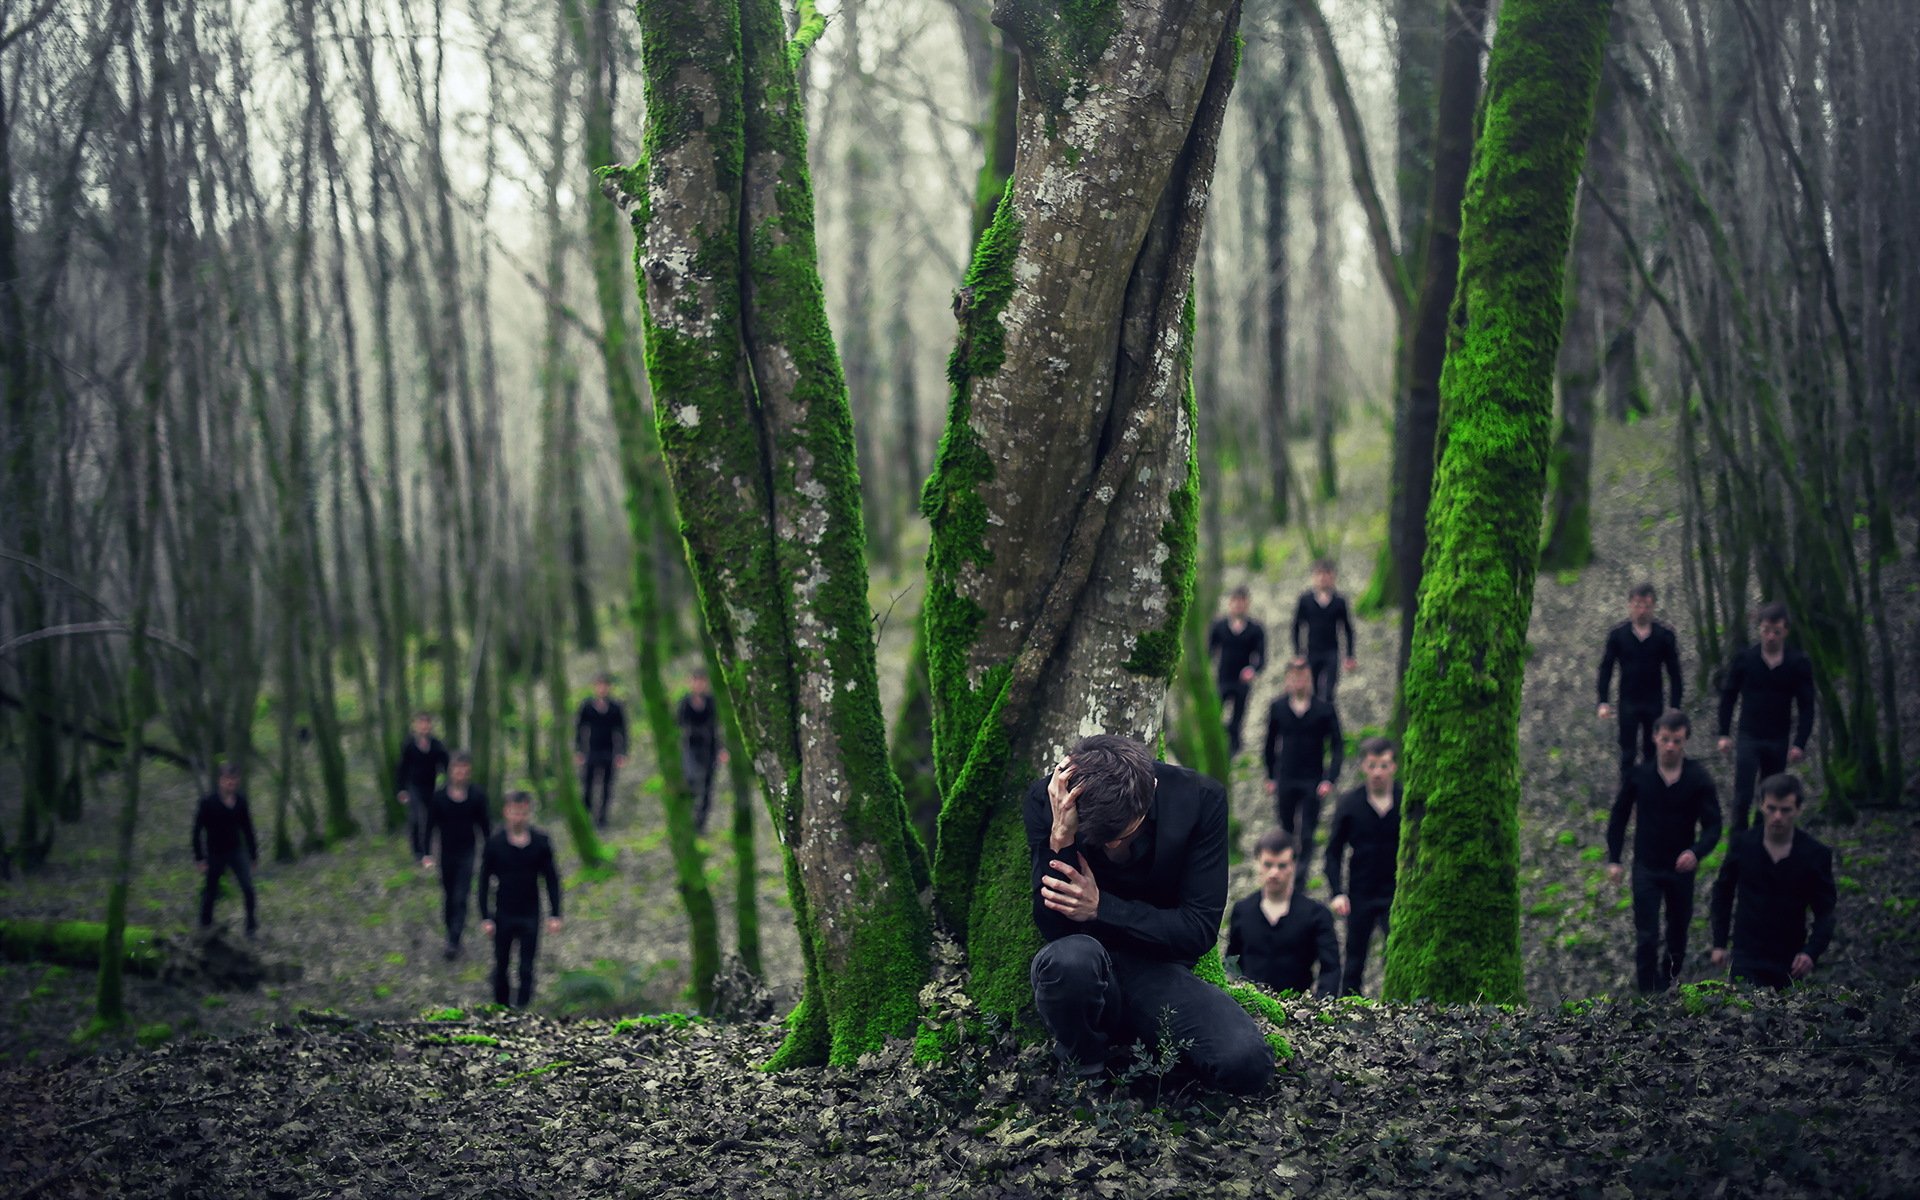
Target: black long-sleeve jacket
[
  {"x": 1767, "y": 696},
  {"x": 1305, "y": 747},
  {"x": 1234, "y": 652},
  {"x": 1764, "y": 904},
  {"x": 1641, "y": 660},
  {"x": 600, "y": 734},
  {"x": 520, "y": 870},
  {"x": 1165, "y": 901},
  {"x": 1323, "y": 624},
  {"x": 420, "y": 770},
  {"x": 1668, "y": 816},
  {"x": 1282, "y": 954},
  {"x": 1375, "y": 842},
  {"x": 218, "y": 831},
  {"x": 457, "y": 821}
]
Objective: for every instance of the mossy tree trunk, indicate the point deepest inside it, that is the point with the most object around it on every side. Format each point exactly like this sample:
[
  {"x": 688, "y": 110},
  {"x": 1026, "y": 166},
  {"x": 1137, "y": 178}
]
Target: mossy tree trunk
[
  {"x": 1063, "y": 499},
  {"x": 1456, "y": 914},
  {"x": 760, "y": 451},
  {"x": 746, "y": 864},
  {"x": 648, "y": 506}
]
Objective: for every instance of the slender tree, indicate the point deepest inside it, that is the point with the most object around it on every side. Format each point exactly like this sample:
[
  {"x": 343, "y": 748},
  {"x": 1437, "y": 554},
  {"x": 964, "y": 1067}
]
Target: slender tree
[
  {"x": 759, "y": 447},
  {"x": 1456, "y": 914}
]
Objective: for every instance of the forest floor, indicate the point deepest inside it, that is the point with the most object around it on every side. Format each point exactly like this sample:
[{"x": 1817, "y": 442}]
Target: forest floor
[{"x": 1574, "y": 1095}]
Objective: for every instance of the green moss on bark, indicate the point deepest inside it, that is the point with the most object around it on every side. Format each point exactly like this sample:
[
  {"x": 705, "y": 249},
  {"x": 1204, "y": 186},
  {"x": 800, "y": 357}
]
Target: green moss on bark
[
  {"x": 1456, "y": 916},
  {"x": 77, "y": 944},
  {"x": 1059, "y": 40}
]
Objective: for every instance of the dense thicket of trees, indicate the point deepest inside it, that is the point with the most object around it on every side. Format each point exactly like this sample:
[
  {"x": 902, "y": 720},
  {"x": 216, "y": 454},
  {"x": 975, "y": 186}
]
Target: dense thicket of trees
[{"x": 323, "y": 394}]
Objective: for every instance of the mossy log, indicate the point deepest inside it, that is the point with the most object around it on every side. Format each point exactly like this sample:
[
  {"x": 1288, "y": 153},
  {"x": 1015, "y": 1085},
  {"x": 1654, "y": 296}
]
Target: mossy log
[{"x": 77, "y": 944}]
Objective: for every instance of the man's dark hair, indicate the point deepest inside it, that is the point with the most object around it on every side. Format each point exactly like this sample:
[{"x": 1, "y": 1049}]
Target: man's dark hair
[
  {"x": 229, "y": 770},
  {"x": 1782, "y": 786},
  {"x": 1673, "y": 718},
  {"x": 1277, "y": 841},
  {"x": 1323, "y": 564},
  {"x": 1242, "y": 592},
  {"x": 697, "y": 673},
  {"x": 1641, "y": 589},
  {"x": 1377, "y": 745},
  {"x": 605, "y": 677},
  {"x": 461, "y": 757},
  {"x": 1772, "y": 610},
  {"x": 423, "y": 715},
  {"x": 1115, "y": 775},
  {"x": 1299, "y": 663},
  {"x": 518, "y": 797}
]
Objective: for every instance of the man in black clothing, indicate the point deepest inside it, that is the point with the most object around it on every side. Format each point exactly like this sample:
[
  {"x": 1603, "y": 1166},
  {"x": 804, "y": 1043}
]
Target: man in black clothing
[
  {"x": 1367, "y": 821},
  {"x": 1129, "y": 883},
  {"x": 1643, "y": 648},
  {"x": 599, "y": 744},
  {"x": 699, "y": 745},
  {"x": 1304, "y": 752},
  {"x": 1768, "y": 680},
  {"x": 1679, "y": 824},
  {"x": 520, "y": 857},
  {"x": 459, "y": 812},
  {"x": 1773, "y": 877},
  {"x": 1278, "y": 934},
  {"x": 1323, "y": 613},
  {"x": 1237, "y": 644},
  {"x": 418, "y": 775},
  {"x": 223, "y": 841}
]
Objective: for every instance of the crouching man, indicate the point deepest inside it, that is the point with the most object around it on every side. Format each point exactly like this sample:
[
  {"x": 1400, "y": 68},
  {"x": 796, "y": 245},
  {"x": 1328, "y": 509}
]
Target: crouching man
[{"x": 1129, "y": 883}]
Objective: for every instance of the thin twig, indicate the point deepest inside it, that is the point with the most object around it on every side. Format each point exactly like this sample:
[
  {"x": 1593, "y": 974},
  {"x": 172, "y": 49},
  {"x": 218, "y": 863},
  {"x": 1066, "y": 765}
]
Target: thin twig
[{"x": 90, "y": 1122}]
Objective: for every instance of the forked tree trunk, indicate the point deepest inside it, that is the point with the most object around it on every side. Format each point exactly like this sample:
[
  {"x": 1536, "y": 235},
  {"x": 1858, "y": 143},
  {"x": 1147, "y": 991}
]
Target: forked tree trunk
[
  {"x": 1456, "y": 913},
  {"x": 759, "y": 449},
  {"x": 1063, "y": 501}
]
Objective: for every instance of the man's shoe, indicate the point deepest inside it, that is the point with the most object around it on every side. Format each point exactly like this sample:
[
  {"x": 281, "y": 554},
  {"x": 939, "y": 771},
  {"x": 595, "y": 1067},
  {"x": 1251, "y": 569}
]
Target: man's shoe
[{"x": 451, "y": 952}]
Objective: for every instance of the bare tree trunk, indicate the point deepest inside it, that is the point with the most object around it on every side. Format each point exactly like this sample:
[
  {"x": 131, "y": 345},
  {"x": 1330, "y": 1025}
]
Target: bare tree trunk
[{"x": 1274, "y": 160}]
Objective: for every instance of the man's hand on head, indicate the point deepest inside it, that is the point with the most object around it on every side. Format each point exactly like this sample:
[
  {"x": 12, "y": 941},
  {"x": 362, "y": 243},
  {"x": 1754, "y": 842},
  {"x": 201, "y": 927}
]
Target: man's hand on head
[
  {"x": 1074, "y": 894},
  {"x": 1064, "y": 797}
]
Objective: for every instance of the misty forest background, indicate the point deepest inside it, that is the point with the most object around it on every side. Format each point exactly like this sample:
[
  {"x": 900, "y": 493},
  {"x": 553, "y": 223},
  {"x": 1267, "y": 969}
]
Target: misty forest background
[{"x": 329, "y": 397}]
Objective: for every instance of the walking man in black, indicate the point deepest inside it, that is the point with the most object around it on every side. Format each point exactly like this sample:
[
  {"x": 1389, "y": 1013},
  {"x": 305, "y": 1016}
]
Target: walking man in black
[
  {"x": 223, "y": 841},
  {"x": 1322, "y": 612},
  {"x": 1642, "y": 648},
  {"x": 1279, "y": 932},
  {"x": 418, "y": 775},
  {"x": 459, "y": 814},
  {"x": 1773, "y": 877},
  {"x": 599, "y": 744},
  {"x": 520, "y": 857},
  {"x": 1304, "y": 753},
  {"x": 1678, "y": 825},
  {"x": 1129, "y": 884},
  {"x": 1769, "y": 680},
  {"x": 699, "y": 745},
  {"x": 1367, "y": 822},
  {"x": 1237, "y": 644}
]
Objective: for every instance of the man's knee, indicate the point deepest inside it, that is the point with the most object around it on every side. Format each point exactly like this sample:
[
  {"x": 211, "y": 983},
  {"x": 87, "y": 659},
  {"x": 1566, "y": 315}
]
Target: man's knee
[
  {"x": 1243, "y": 1062},
  {"x": 1072, "y": 962}
]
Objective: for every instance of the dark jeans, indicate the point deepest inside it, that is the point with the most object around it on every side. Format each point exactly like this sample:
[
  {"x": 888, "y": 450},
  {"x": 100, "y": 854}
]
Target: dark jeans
[
  {"x": 600, "y": 767},
  {"x": 1095, "y": 1002},
  {"x": 1297, "y": 807},
  {"x": 419, "y": 822},
  {"x": 456, "y": 884},
  {"x": 1362, "y": 919},
  {"x": 1326, "y": 674},
  {"x": 242, "y": 868},
  {"x": 1233, "y": 709},
  {"x": 507, "y": 931},
  {"x": 1753, "y": 760},
  {"x": 1762, "y": 975},
  {"x": 1653, "y": 971},
  {"x": 1635, "y": 720},
  {"x": 696, "y": 769}
]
